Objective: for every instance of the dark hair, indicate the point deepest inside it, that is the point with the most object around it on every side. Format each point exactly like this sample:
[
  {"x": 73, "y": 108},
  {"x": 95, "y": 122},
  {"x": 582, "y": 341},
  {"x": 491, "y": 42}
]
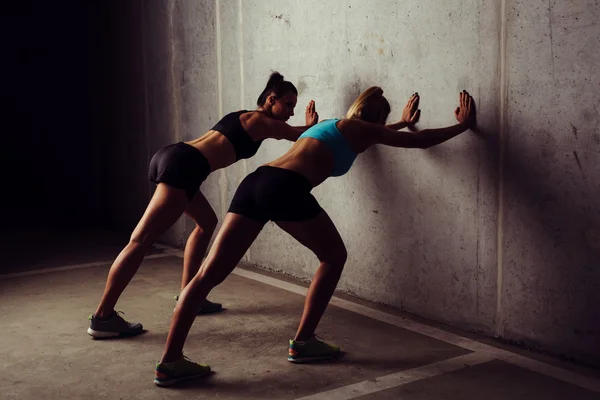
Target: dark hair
[{"x": 278, "y": 86}]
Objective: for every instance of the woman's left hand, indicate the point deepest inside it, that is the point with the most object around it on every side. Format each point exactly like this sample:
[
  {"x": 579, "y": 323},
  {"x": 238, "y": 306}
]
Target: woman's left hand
[
  {"x": 312, "y": 117},
  {"x": 411, "y": 112}
]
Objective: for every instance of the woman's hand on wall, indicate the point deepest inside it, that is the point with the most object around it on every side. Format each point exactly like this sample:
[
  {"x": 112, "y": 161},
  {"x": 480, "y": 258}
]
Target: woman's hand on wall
[
  {"x": 465, "y": 112},
  {"x": 312, "y": 117},
  {"x": 411, "y": 112}
]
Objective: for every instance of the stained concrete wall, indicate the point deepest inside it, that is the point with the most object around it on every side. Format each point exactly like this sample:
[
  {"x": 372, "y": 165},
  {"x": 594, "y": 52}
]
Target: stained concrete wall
[
  {"x": 495, "y": 231},
  {"x": 413, "y": 221},
  {"x": 551, "y": 219}
]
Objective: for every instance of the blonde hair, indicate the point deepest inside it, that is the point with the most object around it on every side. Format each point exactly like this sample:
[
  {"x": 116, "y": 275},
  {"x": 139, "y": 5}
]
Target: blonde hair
[{"x": 370, "y": 106}]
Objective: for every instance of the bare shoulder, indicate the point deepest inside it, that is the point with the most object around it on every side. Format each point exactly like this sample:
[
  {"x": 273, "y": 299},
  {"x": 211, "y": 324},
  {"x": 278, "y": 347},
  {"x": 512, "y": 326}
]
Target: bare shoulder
[
  {"x": 350, "y": 125},
  {"x": 357, "y": 133},
  {"x": 251, "y": 117},
  {"x": 255, "y": 123}
]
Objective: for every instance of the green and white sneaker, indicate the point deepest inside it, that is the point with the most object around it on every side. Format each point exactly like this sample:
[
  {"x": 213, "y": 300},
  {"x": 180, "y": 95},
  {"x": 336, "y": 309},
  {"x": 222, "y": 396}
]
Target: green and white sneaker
[
  {"x": 311, "y": 350},
  {"x": 113, "y": 326},
  {"x": 184, "y": 369},
  {"x": 208, "y": 307}
]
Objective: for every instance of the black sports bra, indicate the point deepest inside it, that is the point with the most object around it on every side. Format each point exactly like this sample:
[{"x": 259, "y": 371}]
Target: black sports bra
[{"x": 231, "y": 127}]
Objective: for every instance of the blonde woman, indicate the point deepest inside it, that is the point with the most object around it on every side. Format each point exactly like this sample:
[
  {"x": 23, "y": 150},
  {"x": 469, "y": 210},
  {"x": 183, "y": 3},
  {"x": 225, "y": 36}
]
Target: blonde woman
[{"x": 280, "y": 191}]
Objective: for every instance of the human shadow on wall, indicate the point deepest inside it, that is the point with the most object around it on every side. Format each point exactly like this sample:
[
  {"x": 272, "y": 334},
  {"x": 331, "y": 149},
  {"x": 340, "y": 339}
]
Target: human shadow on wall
[
  {"x": 563, "y": 223},
  {"x": 375, "y": 176},
  {"x": 549, "y": 197}
]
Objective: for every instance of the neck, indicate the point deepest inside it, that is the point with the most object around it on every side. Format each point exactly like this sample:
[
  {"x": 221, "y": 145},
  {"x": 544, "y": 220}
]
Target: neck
[{"x": 265, "y": 112}]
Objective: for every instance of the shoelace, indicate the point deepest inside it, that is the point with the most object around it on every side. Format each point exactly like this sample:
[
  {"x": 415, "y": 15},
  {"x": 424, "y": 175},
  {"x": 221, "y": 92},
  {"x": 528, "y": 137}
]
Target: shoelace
[
  {"x": 117, "y": 312},
  {"x": 185, "y": 358},
  {"x": 315, "y": 336},
  {"x": 319, "y": 338},
  {"x": 118, "y": 315}
]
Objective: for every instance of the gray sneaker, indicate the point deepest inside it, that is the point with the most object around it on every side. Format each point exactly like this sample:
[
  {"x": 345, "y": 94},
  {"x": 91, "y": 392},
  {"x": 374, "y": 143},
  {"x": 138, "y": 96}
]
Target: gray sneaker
[
  {"x": 113, "y": 326},
  {"x": 208, "y": 307}
]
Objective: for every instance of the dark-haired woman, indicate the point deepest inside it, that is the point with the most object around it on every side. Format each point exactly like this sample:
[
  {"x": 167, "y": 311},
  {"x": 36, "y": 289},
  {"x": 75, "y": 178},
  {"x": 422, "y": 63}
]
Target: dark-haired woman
[{"x": 178, "y": 171}]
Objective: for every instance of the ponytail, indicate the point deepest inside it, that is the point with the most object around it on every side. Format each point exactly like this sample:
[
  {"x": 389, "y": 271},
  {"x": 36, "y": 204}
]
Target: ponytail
[{"x": 278, "y": 86}]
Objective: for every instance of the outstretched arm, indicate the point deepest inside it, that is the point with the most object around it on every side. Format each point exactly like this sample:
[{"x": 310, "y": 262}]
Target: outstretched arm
[
  {"x": 274, "y": 129},
  {"x": 430, "y": 137}
]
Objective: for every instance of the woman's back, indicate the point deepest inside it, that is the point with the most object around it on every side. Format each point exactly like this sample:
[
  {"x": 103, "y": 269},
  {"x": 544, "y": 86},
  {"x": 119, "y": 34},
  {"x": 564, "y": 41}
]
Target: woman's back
[
  {"x": 326, "y": 149},
  {"x": 230, "y": 139},
  {"x": 308, "y": 157}
]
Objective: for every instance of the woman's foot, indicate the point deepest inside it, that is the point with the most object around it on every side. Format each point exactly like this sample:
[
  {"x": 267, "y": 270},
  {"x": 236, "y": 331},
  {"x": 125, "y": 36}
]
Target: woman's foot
[
  {"x": 312, "y": 349},
  {"x": 167, "y": 374},
  {"x": 112, "y": 326},
  {"x": 207, "y": 307}
]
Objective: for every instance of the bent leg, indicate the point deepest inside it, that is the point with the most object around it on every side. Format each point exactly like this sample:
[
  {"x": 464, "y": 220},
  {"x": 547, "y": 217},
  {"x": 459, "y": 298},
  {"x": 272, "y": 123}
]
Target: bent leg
[
  {"x": 320, "y": 235},
  {"x": 233, "y": 240},
  {"x": 165, "y": 207},
  {"x": 200, "y": 211}
]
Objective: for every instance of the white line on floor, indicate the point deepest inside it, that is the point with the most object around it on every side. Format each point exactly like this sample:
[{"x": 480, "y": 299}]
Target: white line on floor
[
  {"x": 75, "y": 266},
  {"x": 451, "y": 338},
  {"x": 401, "y": 378}
]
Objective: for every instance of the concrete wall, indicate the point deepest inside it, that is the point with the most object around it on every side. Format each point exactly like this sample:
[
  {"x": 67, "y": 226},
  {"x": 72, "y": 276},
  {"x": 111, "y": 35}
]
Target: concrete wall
[
  {"x": 496, "y": 231},
  {"x": 551, "y": 219},
  {"x": 414, "y": 222}
]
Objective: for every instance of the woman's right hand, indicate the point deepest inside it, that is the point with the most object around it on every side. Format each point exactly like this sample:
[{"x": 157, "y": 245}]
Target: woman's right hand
[
  {"x": 311, "y": 116},
  {"x": 465, "y": 112}
]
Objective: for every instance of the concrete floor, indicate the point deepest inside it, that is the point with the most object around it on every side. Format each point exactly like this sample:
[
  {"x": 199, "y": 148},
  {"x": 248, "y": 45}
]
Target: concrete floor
[{"x": 46, "y": 351}]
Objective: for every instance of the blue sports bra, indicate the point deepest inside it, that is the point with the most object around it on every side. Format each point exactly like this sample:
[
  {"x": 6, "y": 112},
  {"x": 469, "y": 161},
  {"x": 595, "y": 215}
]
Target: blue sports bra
[{"x": 328, "y": 133}]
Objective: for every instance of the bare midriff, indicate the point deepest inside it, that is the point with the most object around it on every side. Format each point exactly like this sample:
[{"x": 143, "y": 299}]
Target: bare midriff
[
  {"x": 308, "y": 157},
  {"x": 217, "y": 149}
]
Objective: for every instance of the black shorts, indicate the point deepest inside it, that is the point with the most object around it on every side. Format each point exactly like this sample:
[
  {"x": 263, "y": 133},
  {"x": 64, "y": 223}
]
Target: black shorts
[
  {"x": 181, "y": 166},
  {"x": 276, "y": 194}
]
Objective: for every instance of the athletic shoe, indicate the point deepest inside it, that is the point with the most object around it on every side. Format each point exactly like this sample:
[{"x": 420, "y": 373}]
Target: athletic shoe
[
  {"x": 311, "y": 350},
  {"x": 167, "y": 374},
  {"x": 207, "y": 308},
  {"x": 113, "y": 326}
]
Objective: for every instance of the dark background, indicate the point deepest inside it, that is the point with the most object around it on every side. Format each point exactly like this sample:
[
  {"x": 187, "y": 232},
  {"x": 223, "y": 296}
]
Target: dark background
[
  {"x": 73, "y": 155},
  {"x": 64, "y": 92}
]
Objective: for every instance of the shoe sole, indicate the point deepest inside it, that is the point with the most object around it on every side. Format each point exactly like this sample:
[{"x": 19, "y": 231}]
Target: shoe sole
[
  {"x": 105, "y": 335},
  {"x": 179, "y": 379},
  {"x": 205, "y": 312},
  {"x": 309, "y": 359}
]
